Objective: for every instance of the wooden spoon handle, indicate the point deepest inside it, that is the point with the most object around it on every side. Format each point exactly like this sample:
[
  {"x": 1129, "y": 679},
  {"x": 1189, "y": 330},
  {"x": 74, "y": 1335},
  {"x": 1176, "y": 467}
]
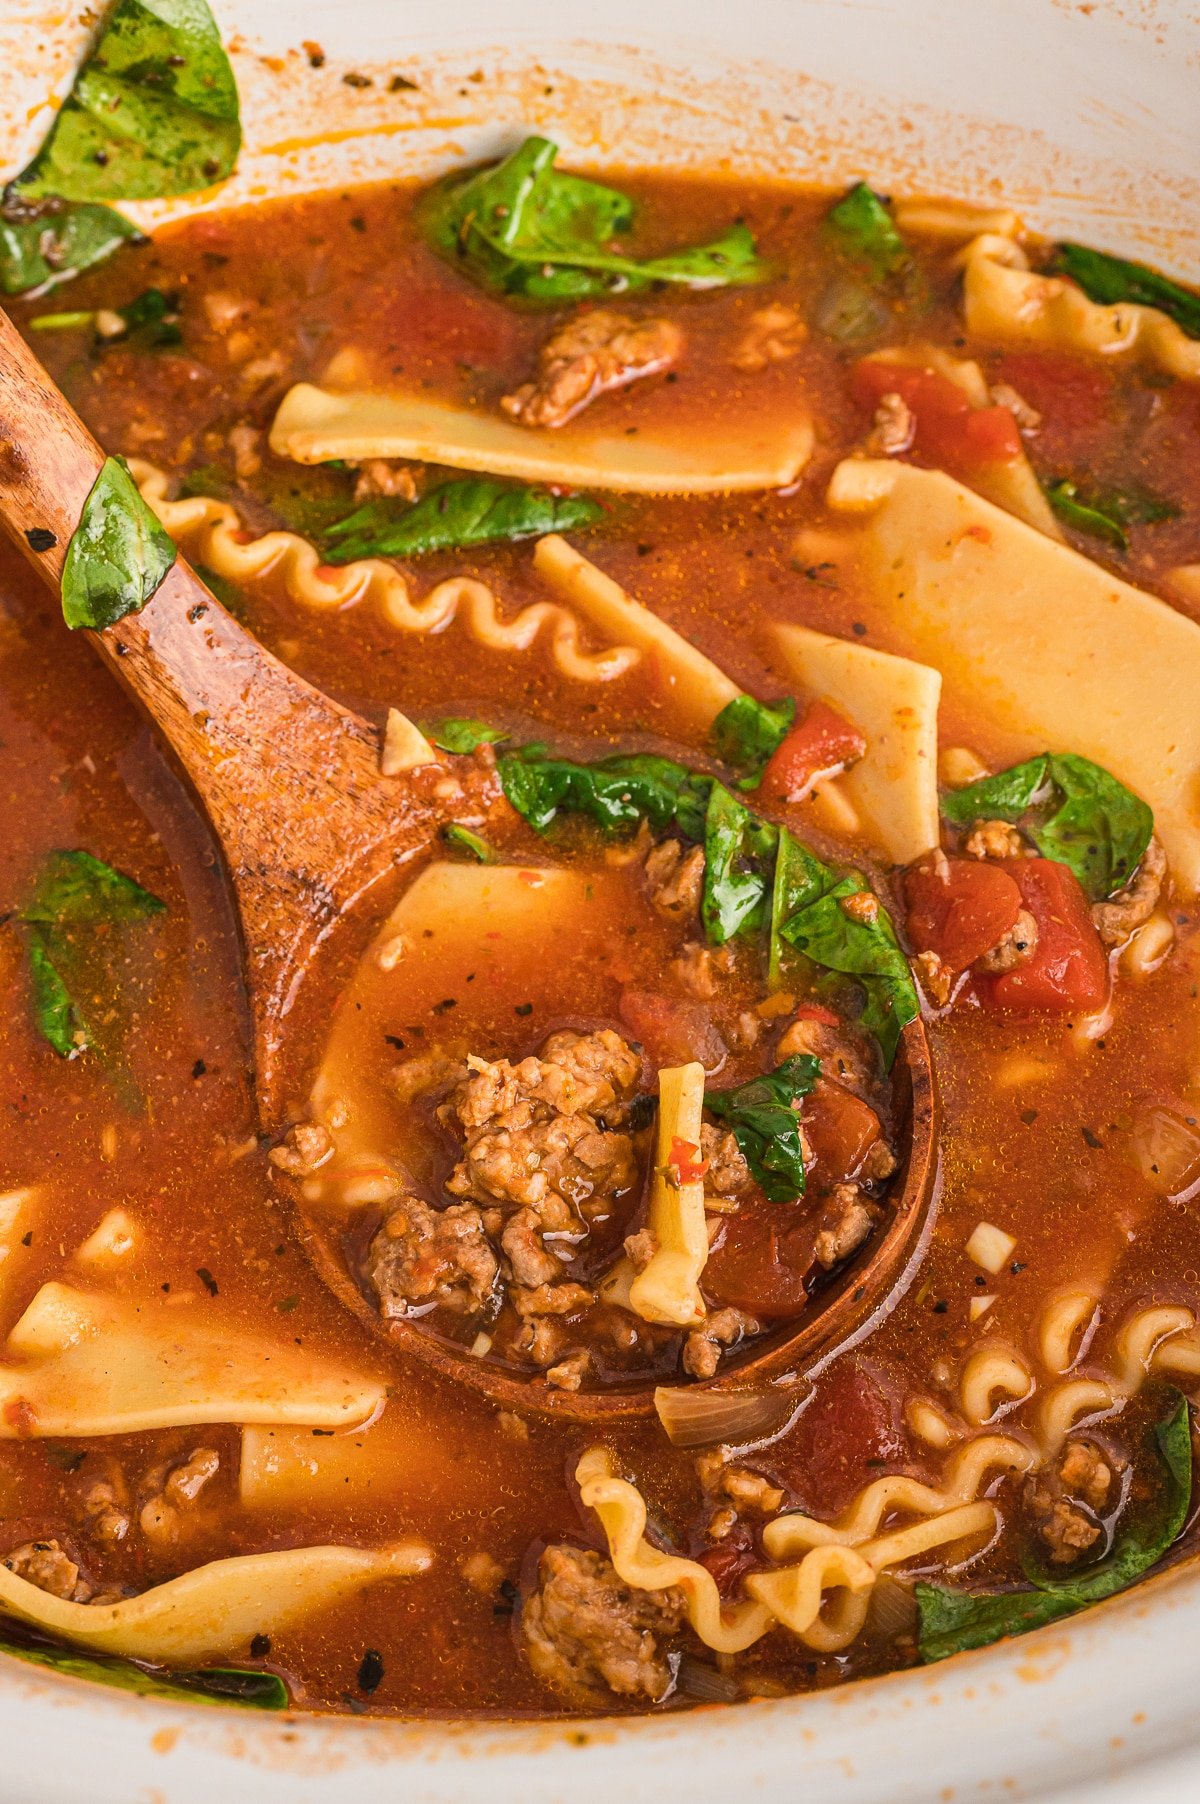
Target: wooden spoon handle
[{"x": 289, "y": 779}]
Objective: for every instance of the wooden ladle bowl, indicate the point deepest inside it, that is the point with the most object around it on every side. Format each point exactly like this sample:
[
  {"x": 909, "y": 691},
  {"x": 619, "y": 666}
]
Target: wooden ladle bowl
[{"x": 867, "y": 1286}]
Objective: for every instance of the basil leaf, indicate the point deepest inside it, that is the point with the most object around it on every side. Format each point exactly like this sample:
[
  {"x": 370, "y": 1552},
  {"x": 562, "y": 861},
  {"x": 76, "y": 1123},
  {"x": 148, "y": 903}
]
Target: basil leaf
[
  {"x": 800, "y": 879},
  {"x": 864, "y": 230},
  {"x": 118, "y": 554},
  {"x": 41, "y": 246},
  {"x": 746, "y": 732},
  {"x": 74, "y": 887},
  {"x": 153, "y": 111},
  {"x": 523, "y": 228},
  {"x": 245, "y": 1688},
  {"x": 1097, "y": 827},
  {"x": 739, "y": 850},
  {"x": 475, "y": 511},
  {"x": 866, "y": 950},
  {"x": 470, "y": 842},
  {"x": 459, "y": 735},
  {"x": 766, "y": 1126},
  {"x": 1108, "y": 279},
  {"x": 617, "y": 793},
  {"x": 55, "y": 1014},
  {"x": 952, "y": 1621},
  {"x": 1105, "y": 516}
]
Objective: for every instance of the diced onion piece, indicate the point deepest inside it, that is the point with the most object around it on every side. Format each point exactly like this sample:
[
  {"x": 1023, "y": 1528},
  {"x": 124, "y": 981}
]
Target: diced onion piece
[
  {"x": 697, "y": 1679},
  {"x": 668, "y": 1288},
  {"x": 990, "y": 1247},
  {"x": 480, "y": 1345},
  {"x": 958, "y": 766},
  {"x": 1165, "y": 1147},
  {"x": 695, "y": 1417},
  {"x": 980, "y": 1306},
  {"x": 405, "y": 747},
  {"x": 893, "y": 1609}
]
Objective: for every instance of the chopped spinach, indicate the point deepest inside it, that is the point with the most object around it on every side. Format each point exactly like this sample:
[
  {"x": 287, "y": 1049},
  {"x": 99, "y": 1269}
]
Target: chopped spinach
[
  {"x": 739, "y": 856},
  {"x": 863, "y": 947},
  {"x": 617, "y": 793},
  {"x": 865, "y": 232},
  {"x": 479, "y": 849},
  {"x": 1106, "y": 515},
  {"x": 153, "y": 111},
  {"x": 74, "y": 892},
  {"x": 952, "y": 1621},
  {"x": 118, "y": 554},
  {"x": 473, "y": 511},
  {"x": 244, "y": 1687},
  {"x": 151, "y": 321},
  {"x": 459, "y": 735},
  {"x": 746, "y": 732},
  {"x": 766, "y": 1126},
  {"x": 1108, "y": 279},
  {"x": 523, "y": 228},
  {"x": 47, "y": 243},
  {"x": 1087, "y": 819}
]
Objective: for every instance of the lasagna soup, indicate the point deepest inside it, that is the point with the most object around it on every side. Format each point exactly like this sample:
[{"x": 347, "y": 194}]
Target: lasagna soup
[{"x": 733, "y": 1228}]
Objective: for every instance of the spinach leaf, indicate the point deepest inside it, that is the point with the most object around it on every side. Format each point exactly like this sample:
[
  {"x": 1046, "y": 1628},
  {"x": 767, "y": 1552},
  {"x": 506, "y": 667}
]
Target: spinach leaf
[
  {"x": 1096, "y": 827},
  {"x": 952, "y": 1621},
  {"x": 244, "y": 1687},
  {"x": 766, "y": 1126},
  {"x": 1105, "y": 516},
  {"x": 1108, "y": 279},
  {"x": 864, "y": 230},
  {"x": 459, "y": 735},
  {"x": 474, "y": 511},
  {"x": 863, "y": 948},
  {"x": 739, "y": 852},
  {"x": 800, "y": 879},
  {"x": 118, "y": 554},
  {"x": 470, "y": 842},
  {"x": 45, "y": 244},
  {"x": 151, "y": 320},
  {"x": 523, "y": 228},
  {"x": 153, "y": 111},
  {"x": 746, "y": 732},
  {"x": 616, "y": 792},
  {"x": 72, "y": 892}
]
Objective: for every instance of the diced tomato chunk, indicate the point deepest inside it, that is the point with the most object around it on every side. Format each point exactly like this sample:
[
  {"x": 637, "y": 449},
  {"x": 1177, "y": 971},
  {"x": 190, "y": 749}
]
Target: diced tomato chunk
[
  {"x": 1069, "y": 391},
  {"x": 840, "y": 1128},
  {"x": 685, "y": 1157},
  {"x": 949, "y": 430},
  {"x": 850, "y": 1431},
  {"x": 762, "y": 1259},
  {"x": 961, "y": 910},
  {"x": 1069, "y": 968},
  {"x": 671, "y": 1030},
  {"x": 730, "y": 1560},
  {"x": 816, "y": 1011},
  {"x": 817, "y": 746}
]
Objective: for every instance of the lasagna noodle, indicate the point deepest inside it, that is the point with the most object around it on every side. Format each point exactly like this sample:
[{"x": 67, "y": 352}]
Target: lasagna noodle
[
  {"x": 210, "y": 532},
  {"x": 314, "y": 425},
  {"x": 668, "y": 1289},
  {"x": 1035, "y": 638},
  {"x": 215, "y": 1609}
]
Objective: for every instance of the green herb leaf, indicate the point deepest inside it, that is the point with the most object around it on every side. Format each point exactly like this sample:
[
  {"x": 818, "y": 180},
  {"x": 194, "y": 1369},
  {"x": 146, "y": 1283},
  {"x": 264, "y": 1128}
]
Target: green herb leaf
[
  {"x": 817, "y": 925},
  {"x": 245, "y": 1688},
  {"x": 739, "y": 854},
  {"x": 800, "y": 879},
  {"x": 523, "y": 228},
  {"x": 474, "y": 511},
  {"x": 746, "y": 732},
  {"x": 118, "y": 555},
  {"x": 766, "y": 1125},
  {"x": 74, "y": 887},
  {"x": 864, "y": 230},
  {"x": 55, "y": 1014},
  {"x": 1096, "y": 827},
  {"x": 43, "y": 245},
  {"x": 1108, "y": 279},
  {"x": 470, "y": 842},
  {"x": 952, "y": 1621},
  {"x": 616, "y": 793},
  {"x": 1105, "y": 516},
  {"x": 153, "y": 112},
  {"x": 461, "y": 735},
  {"x": 152, "y": 320}
]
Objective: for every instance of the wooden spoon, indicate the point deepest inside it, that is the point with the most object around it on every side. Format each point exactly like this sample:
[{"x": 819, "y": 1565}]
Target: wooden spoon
[{"x": 290, "y": 782}]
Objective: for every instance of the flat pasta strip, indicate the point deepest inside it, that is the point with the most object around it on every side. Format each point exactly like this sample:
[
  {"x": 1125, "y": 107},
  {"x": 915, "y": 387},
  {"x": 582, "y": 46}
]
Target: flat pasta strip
[
  {"x": 1039, "y": 640},
  {"x": 667, "y": 1289},
  {"x": 1006, "y": 302},
  {"x": 79, "y": 1363},
  {"x": 216, "y": 1609},
  {"x": 314, "y": 425},
  {"x": 894, "y": 704},
  {"x": 211, "y": 533}
]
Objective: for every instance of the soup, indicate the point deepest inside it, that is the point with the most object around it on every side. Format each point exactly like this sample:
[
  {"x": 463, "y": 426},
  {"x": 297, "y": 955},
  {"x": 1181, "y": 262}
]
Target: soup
[{"x": 789, "y": 598}]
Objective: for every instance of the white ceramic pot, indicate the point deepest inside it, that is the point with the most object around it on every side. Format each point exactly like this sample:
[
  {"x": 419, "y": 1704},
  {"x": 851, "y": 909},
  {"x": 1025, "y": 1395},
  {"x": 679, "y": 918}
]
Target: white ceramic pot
[{"x": 1085, "y": 117}]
